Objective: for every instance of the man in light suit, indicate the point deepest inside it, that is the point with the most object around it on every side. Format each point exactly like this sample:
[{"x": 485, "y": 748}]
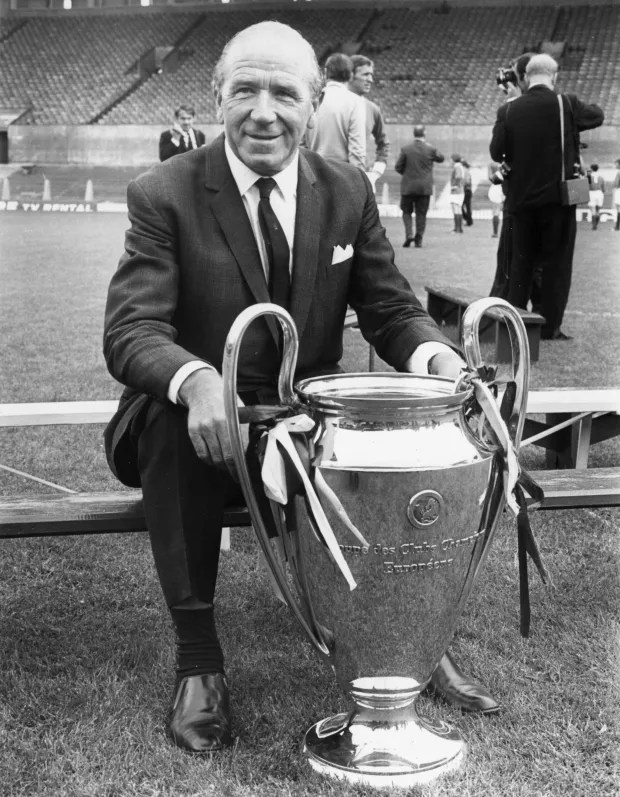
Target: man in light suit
[
  {"x": 195, "y": 257},
  {"x": 339, "y": 132},
  {"x": 182, "y": 136}
]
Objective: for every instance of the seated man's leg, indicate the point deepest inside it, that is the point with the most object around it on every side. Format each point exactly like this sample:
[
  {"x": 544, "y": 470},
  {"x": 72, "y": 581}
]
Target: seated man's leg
[{"x": 184, "y": 501}]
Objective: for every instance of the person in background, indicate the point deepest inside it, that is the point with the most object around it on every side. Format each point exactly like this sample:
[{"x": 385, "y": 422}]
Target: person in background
[
  {"x": 616, "y": 194},
  {"x": 513, "y": 86},
  {"x": 496, "y": 197},
  {"x": 339, "y": 132},
  {"x": 526, "y": 135},
  {"x": 182, "y": 136},
  {"x": 597, "y": 194},
  {"x": 415, "y": 165},
  {"x": 467, "y": 193},
  {"x": 457, "y": 191},
  {"x": 250, "y": 218},
  {"x": 361, "y": 83}
]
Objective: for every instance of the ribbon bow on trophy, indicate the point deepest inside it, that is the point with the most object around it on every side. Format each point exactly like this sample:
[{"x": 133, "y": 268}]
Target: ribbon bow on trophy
[{"x": 517, "y": 481}]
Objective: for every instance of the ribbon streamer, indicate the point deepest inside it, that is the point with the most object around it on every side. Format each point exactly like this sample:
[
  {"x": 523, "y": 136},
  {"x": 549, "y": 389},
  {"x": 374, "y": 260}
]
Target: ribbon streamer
[{"x": 273, "y": 473}]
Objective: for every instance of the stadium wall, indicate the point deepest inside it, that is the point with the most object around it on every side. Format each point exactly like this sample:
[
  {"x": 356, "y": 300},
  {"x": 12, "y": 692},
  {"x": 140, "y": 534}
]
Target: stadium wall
[{"x": 137, "y": 145}]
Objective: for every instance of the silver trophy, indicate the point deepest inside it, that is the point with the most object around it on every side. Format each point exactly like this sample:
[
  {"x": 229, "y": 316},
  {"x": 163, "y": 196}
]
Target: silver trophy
[{"x": 398, "y": 490}]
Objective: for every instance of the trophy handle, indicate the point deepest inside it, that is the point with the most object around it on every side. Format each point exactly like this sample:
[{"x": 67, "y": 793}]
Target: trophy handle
[
  {"x": 290, "y": 346},
  {"x": 520, "y": 354}
]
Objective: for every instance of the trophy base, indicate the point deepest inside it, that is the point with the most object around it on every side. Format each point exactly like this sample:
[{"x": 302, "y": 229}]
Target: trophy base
[{"x": 369, "y": 750}]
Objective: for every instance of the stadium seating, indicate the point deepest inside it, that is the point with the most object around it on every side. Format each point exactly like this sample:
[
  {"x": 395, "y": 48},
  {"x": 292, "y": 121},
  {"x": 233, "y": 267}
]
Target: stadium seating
[{"x": 434, "y": 67}]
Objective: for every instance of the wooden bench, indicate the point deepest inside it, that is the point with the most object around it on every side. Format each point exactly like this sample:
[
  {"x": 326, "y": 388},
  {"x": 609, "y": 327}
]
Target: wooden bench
[
  {"x": 121, "y": 511},
  {"x": 574, "y": 418},
  {"x": 116, "y": 512},
  {"x": 446, "y": 305}
]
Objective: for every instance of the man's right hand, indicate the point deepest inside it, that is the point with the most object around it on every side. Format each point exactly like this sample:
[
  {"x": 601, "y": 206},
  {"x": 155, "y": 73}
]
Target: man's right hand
[
  {"x": 176, "y": 133},
  {"x": 203, "y": 395}
]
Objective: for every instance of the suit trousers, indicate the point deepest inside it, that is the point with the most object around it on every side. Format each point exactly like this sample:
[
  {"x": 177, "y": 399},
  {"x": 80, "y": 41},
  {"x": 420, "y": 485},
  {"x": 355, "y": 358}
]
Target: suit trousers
[
  {"x": 420, "y": 203},
  {"x": 184, "y": 501},
  {"x": 543, "y": 243}
]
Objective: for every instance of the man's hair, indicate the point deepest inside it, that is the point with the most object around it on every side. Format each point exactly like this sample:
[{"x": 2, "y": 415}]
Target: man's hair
[
  {"x": 338, "y": 67},
  {"x": 520, "y": 65},
  {"x": 456, "y": 157},
  {"x": 540, "y": 65},
  {"x": 279, "y": 31},
  {"x": 359, "y": 61},
  {"x": 419, "y": 131},
  {"x": 594, "y": 167},
  {"x": 187, "y": 108}
]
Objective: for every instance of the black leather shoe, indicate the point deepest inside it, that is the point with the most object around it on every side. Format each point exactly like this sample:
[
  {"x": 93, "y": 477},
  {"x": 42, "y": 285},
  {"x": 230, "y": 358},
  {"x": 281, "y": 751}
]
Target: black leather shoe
[
  {"x": 459, "y": 690},
  {"x": 200, "y": 718},
  {"x": 408, "y": 242},
  {"x": 417, "y": 242}
]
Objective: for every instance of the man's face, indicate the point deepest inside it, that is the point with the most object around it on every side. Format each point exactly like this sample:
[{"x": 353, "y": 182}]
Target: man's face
[
  {"x": 265, "y": 102},
  {"x": 362, "y": 80},
  {"x": 185, "y": 121}
]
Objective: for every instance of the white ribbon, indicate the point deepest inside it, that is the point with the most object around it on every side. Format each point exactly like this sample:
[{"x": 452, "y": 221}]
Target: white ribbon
[
  {"x": 511, "y": 467},
  {"x": 273, "y": 473}
]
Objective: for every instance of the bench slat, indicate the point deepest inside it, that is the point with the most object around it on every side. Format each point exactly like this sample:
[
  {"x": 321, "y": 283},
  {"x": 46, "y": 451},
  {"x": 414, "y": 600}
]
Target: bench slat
[
  {"x": 83, "y": 513},
  {"x": 98, "y": 513}
]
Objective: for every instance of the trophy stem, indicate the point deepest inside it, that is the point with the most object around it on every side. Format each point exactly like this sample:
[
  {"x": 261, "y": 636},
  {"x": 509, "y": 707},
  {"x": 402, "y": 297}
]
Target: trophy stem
[{"x": 384, "y": 742}]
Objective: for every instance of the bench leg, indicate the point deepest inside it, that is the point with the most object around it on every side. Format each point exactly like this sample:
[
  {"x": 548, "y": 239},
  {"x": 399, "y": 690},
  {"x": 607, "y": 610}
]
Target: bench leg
[
  {"x": 580, "y": 442},
  {"x": 503, "y": 348}
]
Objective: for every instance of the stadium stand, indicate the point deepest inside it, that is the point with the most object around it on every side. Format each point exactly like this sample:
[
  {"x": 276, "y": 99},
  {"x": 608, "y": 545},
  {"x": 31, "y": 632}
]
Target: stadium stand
[{"x": 436, "y": 68}]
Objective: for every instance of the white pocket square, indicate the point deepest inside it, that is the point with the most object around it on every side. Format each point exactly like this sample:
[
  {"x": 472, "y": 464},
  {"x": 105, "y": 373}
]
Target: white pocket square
[{"x": 341, "y": 254}]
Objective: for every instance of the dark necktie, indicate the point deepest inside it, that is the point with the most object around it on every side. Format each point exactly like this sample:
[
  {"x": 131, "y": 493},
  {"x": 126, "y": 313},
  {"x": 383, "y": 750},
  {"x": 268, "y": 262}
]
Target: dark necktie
[{"x": 275, "y": 243}]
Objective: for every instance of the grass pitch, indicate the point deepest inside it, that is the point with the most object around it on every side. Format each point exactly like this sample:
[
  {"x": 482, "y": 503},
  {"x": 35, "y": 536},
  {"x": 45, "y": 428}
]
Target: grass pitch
[{"x": 86, "y": 652}]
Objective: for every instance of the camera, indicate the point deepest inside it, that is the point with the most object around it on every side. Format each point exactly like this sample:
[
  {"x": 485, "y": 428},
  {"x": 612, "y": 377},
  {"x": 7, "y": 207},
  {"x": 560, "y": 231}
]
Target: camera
[
  {"x": 504, "y": 76},
  {"x": 498, "y": 176}
]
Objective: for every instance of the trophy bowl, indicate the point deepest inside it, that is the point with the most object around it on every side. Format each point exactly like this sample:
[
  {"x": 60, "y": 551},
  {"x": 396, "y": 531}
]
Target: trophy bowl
[{"x": 383, "y": 537}]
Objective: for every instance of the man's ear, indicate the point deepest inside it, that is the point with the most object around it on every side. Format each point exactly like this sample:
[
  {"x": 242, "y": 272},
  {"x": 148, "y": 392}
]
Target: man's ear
[
  {"x": 219, "y": 114},
  {"x": 312, "y": 118}
]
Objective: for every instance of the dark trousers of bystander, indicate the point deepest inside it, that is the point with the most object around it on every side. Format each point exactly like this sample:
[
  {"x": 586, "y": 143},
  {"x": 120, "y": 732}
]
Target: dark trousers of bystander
[
  {"x": 418, "y": 203},
  {"x": 543, "y": 241}
]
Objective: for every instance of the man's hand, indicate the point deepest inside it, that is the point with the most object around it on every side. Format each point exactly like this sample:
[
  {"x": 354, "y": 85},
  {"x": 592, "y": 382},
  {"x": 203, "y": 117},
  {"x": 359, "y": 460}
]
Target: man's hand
[
  {"x": 203, "y": 395},
  {"x": 177, "y": 133},
  {"x": 446, "y": 363}
]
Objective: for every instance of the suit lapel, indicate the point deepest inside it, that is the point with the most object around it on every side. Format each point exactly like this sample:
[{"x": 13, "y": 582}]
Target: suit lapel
[
  {"x": 229, "y": 210},
  {"x": 306, "y": 245}
]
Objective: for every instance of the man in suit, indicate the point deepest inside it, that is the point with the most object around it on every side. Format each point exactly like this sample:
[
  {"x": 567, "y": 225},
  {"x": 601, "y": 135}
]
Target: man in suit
[
  {"x": 197, "y": 254},
  {"x": 415, "y": 164},
  {"x": 339, "y": 132},
  {"x": 360, "y": 83},
  {"x": 182, "y": 136},
  {"x": 526, "y": 135}
]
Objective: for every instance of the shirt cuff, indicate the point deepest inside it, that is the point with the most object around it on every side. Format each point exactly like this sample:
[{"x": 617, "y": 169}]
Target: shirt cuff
[
  {"x": 420, "y": 359},
  {"x": 181, "y": 375}
]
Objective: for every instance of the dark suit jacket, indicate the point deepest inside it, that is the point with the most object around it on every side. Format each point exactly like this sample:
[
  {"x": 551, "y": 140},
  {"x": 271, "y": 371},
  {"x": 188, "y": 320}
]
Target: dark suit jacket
[
  {"x": 526, "y": 135},
  {"x": 191, "y": 265},
  {"x": 415, "y": 164},
  {"x": 167, "y": 148}
]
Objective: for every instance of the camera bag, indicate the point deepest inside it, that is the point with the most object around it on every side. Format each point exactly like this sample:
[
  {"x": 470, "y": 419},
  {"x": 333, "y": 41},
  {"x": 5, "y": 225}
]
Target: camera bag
[{"x": 576, "y": 190}]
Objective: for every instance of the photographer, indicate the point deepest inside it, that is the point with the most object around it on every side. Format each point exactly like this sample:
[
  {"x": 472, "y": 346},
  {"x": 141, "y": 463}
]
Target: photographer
[
  {"x": 511, "y": 80},
  {"x": 526, "y": 136}
]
